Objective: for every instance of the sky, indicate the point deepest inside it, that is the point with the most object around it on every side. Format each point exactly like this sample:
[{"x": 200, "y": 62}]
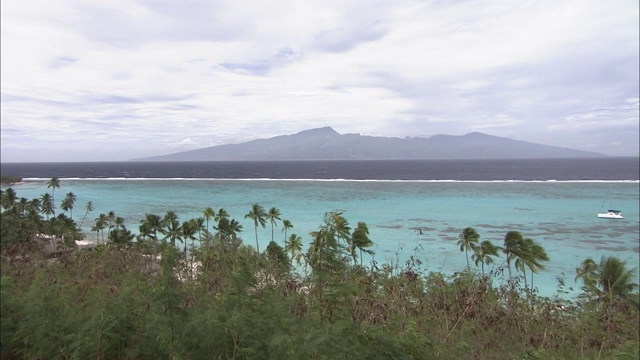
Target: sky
[{"x": 85, "y": 80}]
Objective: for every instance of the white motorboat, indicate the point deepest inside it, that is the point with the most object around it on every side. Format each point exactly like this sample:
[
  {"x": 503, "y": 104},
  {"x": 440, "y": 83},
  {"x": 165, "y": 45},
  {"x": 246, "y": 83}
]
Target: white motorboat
[{"x": 611, "y": 214}]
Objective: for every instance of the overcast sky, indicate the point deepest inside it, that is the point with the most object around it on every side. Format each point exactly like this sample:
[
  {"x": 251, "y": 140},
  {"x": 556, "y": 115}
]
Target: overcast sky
[{"x": 120, "y": 79}]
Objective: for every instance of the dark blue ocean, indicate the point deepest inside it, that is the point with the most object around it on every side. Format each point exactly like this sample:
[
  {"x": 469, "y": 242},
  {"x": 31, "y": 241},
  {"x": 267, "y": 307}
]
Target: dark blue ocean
[
  {"x": 412, "y": 208},
  {"x": 461, "y": 170}
]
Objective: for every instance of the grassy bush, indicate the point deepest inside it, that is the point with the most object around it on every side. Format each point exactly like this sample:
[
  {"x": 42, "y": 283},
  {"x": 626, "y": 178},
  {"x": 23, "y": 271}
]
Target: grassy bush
[{"x": 113, "y": 304}]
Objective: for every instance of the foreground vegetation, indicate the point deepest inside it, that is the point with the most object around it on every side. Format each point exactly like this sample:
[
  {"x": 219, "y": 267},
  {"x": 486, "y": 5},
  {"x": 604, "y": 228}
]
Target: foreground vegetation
[{"x": 145, "y": 297}]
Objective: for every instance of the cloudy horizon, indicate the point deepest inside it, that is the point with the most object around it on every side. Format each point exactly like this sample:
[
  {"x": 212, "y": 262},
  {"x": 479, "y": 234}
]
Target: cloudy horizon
[{"x": 124, "y": 79}]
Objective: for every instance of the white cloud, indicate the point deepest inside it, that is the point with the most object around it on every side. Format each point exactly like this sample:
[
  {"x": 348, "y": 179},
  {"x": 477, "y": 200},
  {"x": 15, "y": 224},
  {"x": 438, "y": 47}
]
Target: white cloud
[{"x": 152, "y": 74}]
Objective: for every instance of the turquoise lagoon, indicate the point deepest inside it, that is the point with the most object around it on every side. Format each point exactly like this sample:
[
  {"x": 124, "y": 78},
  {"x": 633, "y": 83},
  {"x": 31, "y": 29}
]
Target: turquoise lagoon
[{"x": 560, "y": 215}]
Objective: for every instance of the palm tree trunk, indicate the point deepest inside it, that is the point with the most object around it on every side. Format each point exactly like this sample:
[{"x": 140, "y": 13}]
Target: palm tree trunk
[
  {"x": 257, "y": 246},
  {"x": 532, "y": 282}
]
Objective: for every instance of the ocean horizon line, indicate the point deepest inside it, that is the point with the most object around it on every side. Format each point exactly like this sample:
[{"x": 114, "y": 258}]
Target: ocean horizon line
[{"x": 628, "y": 181}]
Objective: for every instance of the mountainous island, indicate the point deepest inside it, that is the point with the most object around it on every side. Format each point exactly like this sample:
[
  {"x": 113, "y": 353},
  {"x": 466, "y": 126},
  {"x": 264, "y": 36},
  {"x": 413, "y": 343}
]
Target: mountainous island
[{"x": 327, "y": 144}]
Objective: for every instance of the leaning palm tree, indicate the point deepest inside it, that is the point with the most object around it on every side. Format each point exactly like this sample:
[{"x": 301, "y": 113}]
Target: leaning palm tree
[
  {"x": 513, "y": 241},
  {"x": 325, "y": 252},
  {"x": 531, "y": 255},
  {"x": 538, "y": 254},
  {"x": 484, "y": 254},
  {"x": 615, "y": 279},
  {"x": 273, "y": 215},
  {"x": 608, "y": 279},
  {"x": 338, "y": 225},
  {"x": 468, "y": 240},
  {"x": 360, "y": 240},
  {"x": 258, "y": 215},
  {"x": 88, "y": 208},
  {"x": 588, "y": 272}
]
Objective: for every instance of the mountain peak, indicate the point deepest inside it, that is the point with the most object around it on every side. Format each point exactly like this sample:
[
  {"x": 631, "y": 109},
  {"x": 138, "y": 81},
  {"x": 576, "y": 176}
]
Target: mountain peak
[
  {"x": 477, "y": 134},
  {"x": 326, "y": 130}
]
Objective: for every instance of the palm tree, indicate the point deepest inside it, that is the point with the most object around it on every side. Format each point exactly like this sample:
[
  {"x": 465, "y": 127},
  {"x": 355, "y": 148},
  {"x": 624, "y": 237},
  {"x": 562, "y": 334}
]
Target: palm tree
[
  {"x": 468, "y": 240},
  {"x": 615, "y": 279},
  {"x": 258, "y": 215},
  {"x": 222, "y": 214},
  {"x": 324, "y": 253},
  {"x": 360, "y": 240},
  {"x": 286, "y": 225},
  {"x": 189, "y": 230},
  {"x": 338, "y": 225},
  {"x": 484, "y": 253},
  {"x": 222, "y": 229},
  {"x": 610, "y": 279},
  {"x": 144, "y": 231},
  {"x": 35, "y": 205},
  {"x": 199, "y": 225},
  {"x": 588, "y": 272},
  {"x": 169, "y": 217},
  {"x": 111, "y": 218},
  {"x": 21, "y": 206},
  {"x": 63, "y": 228},
  {"x": 228, "y": 229},
  {"x": 68, "y": 202},
  {"x": 532, "y": 256},
  {"x": 294, "y": 247},
  {"x": 173, "y": 232},
  {"x": 150, "y": 225},
  {"x": 96, "y": 228},
  {"x": 513, "y": 241},
  {"x": 47, "y": 206},
  {"x": 101, "y": 223},
  {"x": 121, "y": 236},
  {"x": 273, "y": 215},
  {"x": 234, "y": 228},
  {"x": 88, "y": 208},
  {"x": 208, "y": 214},
  {"x": 54, "y": 183},
  {"x": 166, "y": 221},
  {"x": 119, "y": 223},
  {"x": 9, "y": 197}
]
